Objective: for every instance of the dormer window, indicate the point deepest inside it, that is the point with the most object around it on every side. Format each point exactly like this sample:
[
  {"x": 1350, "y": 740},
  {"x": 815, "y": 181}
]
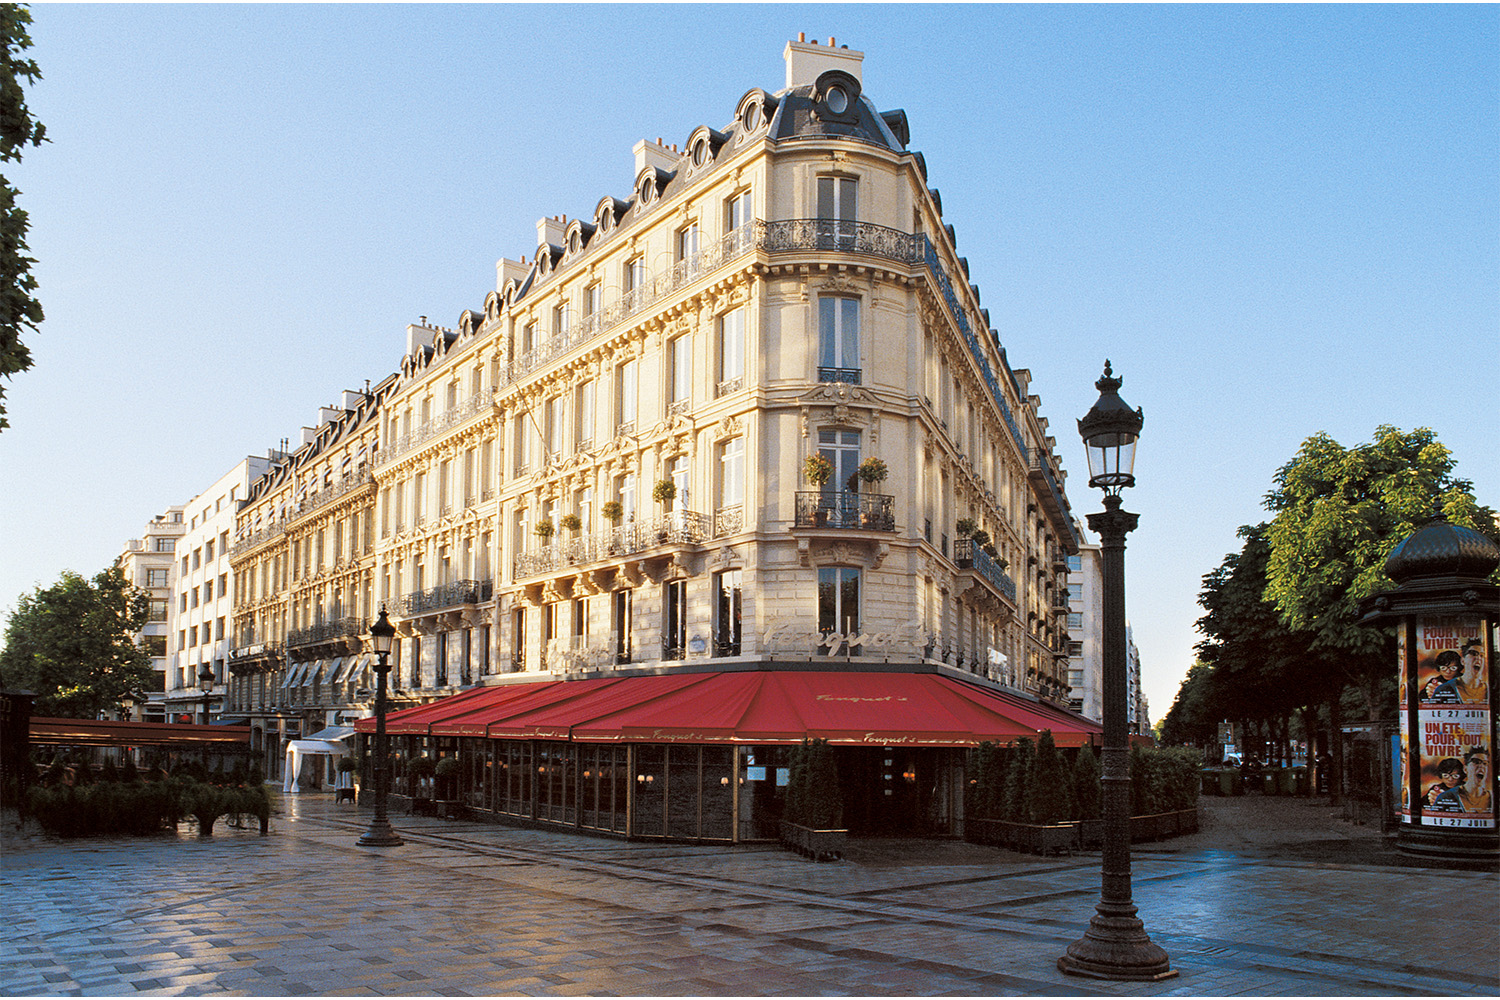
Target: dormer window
[
  {"x": 648, "y": 189},
  {"x": 837, "y": 100}
]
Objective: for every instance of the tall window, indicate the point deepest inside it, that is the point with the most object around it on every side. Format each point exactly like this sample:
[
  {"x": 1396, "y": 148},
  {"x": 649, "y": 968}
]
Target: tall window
[
  {"x": 626, "y": 485},
  {"x": 562, "y": 318},
  {"x": 838, "y": 339},
  {"x": 583, "y": 414},
  {"x": 736, "y": 211},
  {"x": 732, "y": 473},
  {"x": 625, "y": 393},
  {"x": 620, "y": 624},
  {"x": 841, "y": 448},
  {"x": 687, "y": 242},
  {"x": 592, "y": 299},
  {"x": 680, "y": 361},
  {"x": 727, "y": 608},
  {"x": 674, "y": 633},
  {"x": 635, "y": 273},
  {"x": 731, "y": 352},
  {"x": 838, "y": 604},
  {"x": 838, "y": 206},
  {"x": 583, "y": 504},
  {"x": 678, "y": 470},
  {"x": 554, "y": 427},
  {"x": 418, "y": 497}
]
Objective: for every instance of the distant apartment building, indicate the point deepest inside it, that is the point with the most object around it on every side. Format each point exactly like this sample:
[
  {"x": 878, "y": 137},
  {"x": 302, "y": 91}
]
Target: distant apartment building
[
  {"x": 303, "y": 561},
  {"x": 149, "y": 562},
  {"x": 201, "y": 603},
  {"x": 1086, "y": 644}
]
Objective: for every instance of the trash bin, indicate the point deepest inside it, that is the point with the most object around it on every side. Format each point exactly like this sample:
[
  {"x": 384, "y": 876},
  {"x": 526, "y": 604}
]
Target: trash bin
[
  {"x": 1268, "y": 779},
  {"x": 1299, "y": 781},
  {"x": 1229, "y": 781},
  {"x": 1210, "y": 781},
  {"x": 1286, "y": 782}
]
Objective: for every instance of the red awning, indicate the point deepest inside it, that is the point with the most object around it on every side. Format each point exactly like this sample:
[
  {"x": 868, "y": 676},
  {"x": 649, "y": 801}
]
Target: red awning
[
  {"x": 101, "y": 733},
  {"x": 751, "y": 707}
]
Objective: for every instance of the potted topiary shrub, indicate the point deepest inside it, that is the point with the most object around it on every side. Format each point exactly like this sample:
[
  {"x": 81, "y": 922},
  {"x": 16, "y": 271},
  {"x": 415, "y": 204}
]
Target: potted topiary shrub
[
  {"x": 964, "y": 528},
  {"x": 343, "y": 786},
  {"x": 571, "y": 522},
  {"x": 421, "y": 769},
  {"x": 612, "y": 511},
  {"x": 873, "y": 472},
  {"x": 544, "y": 530},
  {"x": 445, "y": 787},
  {"x": 664, "y": 492},
  {"x": 817, "y": 470}
]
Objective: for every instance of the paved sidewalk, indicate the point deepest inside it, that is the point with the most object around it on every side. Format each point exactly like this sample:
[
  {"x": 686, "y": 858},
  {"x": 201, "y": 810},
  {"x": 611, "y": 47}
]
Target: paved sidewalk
[{"x": 1273, "y": 897}]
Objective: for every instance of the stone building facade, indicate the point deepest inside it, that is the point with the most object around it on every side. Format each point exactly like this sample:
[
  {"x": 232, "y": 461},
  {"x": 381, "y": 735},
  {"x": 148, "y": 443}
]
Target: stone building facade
[{"x": 733, "y": 417}]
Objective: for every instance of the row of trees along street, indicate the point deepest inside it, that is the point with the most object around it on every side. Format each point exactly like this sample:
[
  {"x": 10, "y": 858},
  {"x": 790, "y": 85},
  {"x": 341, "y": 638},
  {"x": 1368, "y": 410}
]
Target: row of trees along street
[{"x": 1283, "y": 654}]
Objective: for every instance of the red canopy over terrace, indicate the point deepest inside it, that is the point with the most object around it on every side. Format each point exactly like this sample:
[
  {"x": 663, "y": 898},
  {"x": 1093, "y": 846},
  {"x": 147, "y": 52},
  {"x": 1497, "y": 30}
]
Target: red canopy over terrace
[{"x": 748, "y": 707}]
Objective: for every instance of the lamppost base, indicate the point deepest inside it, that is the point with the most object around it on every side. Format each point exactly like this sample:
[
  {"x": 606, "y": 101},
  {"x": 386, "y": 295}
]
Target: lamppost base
[
  {"x": 1116, "y": 946},
  {"x": 380, "y": 834}
]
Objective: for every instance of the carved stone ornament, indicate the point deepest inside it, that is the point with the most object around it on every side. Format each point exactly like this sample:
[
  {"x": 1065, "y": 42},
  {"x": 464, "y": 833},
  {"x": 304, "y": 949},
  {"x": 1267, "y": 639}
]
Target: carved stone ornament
[{"x": 840, "y": 283}]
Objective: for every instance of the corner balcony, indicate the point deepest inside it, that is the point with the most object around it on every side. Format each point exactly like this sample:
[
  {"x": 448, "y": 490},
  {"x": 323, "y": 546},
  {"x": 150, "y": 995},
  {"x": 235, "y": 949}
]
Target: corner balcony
[
  {"x": 840, "y": 523},
  {"x": 984, "y": 579},
  {"x": 846, "y": 511}
]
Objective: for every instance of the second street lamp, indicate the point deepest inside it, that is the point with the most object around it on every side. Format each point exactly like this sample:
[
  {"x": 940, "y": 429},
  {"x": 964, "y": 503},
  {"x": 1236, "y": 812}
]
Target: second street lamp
[
  {"x": 380, "y": 834},
  {"x": 206, "y": 682},
  {"x": 1116, "y": 945}
]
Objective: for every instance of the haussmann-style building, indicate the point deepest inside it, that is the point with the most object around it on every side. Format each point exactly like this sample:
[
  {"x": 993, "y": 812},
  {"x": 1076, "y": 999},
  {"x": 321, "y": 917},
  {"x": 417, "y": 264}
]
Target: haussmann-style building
[{"x": 732, "y": 461}]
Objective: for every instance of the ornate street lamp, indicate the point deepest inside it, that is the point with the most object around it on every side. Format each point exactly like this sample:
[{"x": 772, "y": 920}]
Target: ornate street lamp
[
  {"x": 380, "y": 834},
  {"x": 206, "y": 682},
  {"x": 1116, "y": 945}
]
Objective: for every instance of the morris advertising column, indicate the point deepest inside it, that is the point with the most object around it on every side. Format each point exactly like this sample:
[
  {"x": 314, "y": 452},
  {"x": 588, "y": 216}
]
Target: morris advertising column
[{"x": 1445, "y": 612}]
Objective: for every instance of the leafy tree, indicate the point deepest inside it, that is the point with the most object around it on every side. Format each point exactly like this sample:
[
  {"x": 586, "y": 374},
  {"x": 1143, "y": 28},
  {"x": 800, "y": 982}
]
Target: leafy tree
[
  {"x": 74, "y": 645},
  {"x": 1193, "y": 717},
  {"x": 1050, "y": 790},
  {"x": 18, "y": 307},
  {"x": 1086, "y": 790},
  {"x": 1339, "y": 513}
]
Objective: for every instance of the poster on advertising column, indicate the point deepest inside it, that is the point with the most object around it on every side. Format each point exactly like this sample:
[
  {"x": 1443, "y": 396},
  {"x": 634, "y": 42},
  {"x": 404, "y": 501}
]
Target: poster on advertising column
[{"x": 1453, "y": 720}]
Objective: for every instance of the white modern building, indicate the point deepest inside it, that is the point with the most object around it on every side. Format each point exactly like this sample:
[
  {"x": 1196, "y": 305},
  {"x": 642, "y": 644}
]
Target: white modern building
[
  {"x": 149, "y": 562},
  {"x": 201, "y": 603}
]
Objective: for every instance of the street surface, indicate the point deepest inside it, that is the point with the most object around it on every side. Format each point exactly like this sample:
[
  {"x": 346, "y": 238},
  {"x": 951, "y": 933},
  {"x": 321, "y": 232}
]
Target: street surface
[{"x": 1272, "y": 897}]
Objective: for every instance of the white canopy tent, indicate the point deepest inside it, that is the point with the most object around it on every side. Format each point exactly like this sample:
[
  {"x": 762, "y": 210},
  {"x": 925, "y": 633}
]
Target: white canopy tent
[{"x": 328, "y": 742}]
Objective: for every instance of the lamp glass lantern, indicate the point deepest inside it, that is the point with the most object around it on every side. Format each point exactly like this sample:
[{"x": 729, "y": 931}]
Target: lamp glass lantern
[{"x": 1109, "y": 431}]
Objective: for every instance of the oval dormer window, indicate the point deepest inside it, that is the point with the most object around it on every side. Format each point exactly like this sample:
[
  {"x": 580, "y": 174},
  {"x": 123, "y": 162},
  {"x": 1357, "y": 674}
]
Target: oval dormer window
[
  {"x": 648, "y": 190},
  {"x": 838, "y": 100},
  {"x": 700, "y": 153},
  {"x": 752, "y": 118}
]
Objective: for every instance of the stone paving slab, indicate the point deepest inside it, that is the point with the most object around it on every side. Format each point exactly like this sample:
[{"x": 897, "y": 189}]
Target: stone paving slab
[{"x": 479, "y": 910}]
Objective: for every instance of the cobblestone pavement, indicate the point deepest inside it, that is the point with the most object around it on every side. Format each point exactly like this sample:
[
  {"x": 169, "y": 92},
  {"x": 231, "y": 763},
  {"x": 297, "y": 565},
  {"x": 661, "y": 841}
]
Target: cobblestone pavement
[{"x": 1311, "y": 906}]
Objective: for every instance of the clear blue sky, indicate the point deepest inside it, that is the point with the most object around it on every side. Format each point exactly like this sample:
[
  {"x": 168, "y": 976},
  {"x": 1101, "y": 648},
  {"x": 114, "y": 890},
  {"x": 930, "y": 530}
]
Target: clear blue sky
[{"x": 1273, "y": 220}]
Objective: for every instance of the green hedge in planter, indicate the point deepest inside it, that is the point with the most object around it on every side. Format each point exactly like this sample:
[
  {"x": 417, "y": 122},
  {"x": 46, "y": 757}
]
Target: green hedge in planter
[
  {"x": 1036, "y": 783},
  {"x": 141, "y": 808},
  {"x": 813, "y": 797}
]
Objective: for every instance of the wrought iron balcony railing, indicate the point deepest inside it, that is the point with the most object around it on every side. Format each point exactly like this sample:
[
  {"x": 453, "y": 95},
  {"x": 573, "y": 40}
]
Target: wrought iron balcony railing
[
  {"x": 858, "y": 511},
  {"x": 476, "y": 403},
  {"x": 678, "y": 527},
  {"x": 970, "y": 556},
  {"x": 849, "y": 376},
  {"x": 337, "y": 628},
  {"x": 330, "y": 493},
  {"x": 448, "y": 595}
]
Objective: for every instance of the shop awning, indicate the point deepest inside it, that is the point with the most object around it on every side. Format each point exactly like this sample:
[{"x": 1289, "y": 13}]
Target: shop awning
[
  {"x": 751, "y": 707},
  {"x": 91, "y": 732}
]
